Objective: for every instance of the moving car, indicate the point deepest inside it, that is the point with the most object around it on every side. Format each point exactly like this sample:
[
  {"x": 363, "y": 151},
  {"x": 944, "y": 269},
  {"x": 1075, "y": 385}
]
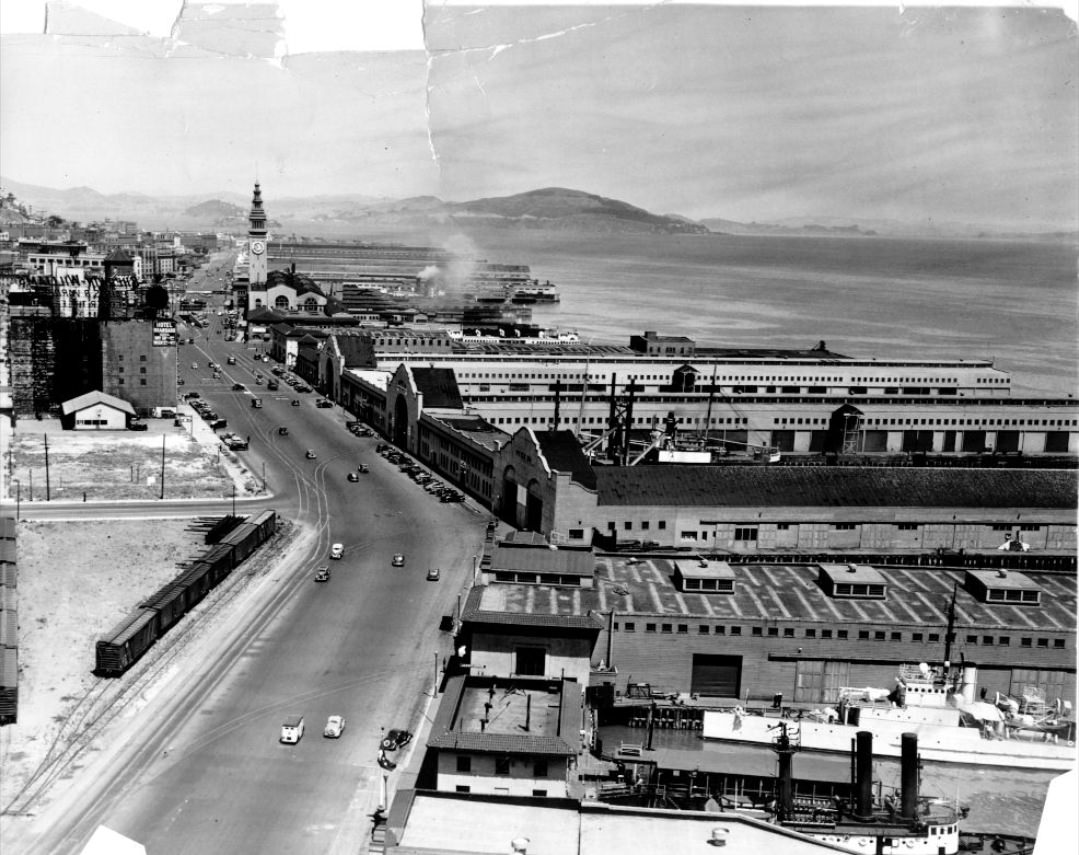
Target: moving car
[
  {"x": 398, "y": 560},
  {"x": 310, "y": 455},
  {"x": 231, "y": 360},
  {"x": 322, "y": 574},
  {"x": 433, "y": 574},
  {"x": 273, "y": 385},
  {"x": 363, "y": 467},
  {"x": 353, "y": 477},
  {"x": 395, "y": 739},
  {"x": 295, "y": 403},
  {"x": 282, "y": 431},
  {"x": 337, "y": 550},
  {"x": 239, "y": 387},
  {"x": 195, "y": 365},
  {"x": 136, "y": 425},
  {"x": 292, "y": 729},
  {"x": 335, "y": 726},
  {"x": 323, "y": 404}
]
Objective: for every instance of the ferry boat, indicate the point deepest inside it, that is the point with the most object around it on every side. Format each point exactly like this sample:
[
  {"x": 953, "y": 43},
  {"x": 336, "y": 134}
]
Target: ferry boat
[{"x": 950, "y": 725}]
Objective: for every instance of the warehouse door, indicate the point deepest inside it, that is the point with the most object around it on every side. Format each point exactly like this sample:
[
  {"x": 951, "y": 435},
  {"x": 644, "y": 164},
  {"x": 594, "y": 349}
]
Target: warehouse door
[
  {"x": 716, "y": 675},
  {"x": 818, "y": 681}
]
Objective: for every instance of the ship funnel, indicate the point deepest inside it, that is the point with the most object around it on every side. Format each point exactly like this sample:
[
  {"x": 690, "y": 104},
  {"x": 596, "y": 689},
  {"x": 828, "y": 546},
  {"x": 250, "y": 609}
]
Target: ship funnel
[
  {"x": 968, "y": 682},
  {"x": 909, "y": 776},
  {"x": 863, "y": 780}
]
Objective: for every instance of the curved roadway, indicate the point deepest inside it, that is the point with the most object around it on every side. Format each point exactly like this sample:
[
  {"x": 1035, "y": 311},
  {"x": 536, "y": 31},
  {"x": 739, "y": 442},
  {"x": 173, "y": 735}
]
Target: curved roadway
[{"x": 207, "y": 773}]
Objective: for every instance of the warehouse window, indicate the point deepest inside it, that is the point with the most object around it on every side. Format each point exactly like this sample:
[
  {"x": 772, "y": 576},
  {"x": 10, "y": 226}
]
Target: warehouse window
[
  {"x": 649, "y": 627},
  {"x": 629, "y": 626},
  {"x": 745, "y": 533},
  {"x": 788, "y": 632}
]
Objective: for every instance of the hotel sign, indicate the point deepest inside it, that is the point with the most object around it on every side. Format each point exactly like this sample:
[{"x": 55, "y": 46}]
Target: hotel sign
[{"x": 165, "y": 334}]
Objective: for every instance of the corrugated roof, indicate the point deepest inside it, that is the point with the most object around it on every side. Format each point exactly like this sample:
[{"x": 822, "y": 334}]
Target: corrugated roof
[
  {"x": 438, "y": 387},
  {"x": 776, "y": 592},
  {"x": 543, "y": 559},
  {"x": 532, "y": 605},
  {"x": 89, "y": 399},
  {"x": 835, "y": 486},
  {"x": 562, "y": 451}
]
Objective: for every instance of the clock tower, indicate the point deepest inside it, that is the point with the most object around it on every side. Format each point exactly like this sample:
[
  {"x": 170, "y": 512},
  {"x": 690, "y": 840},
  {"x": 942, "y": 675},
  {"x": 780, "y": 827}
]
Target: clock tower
[{"x": 256, "y": 241}]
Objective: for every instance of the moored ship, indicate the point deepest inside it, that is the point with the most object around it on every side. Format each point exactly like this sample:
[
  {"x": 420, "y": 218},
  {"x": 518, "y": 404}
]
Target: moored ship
[{"x": 950, "y": 725}]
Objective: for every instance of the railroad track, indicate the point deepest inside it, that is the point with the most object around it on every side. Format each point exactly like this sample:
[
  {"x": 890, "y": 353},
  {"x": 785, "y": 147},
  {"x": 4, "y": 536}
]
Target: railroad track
[{"x": 107, "y": 697}]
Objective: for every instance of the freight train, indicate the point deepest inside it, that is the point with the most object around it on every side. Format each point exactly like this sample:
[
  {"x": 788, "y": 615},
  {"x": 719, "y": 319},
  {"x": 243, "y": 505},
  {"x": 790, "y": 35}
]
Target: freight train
[{"x": 122, "y": 647}]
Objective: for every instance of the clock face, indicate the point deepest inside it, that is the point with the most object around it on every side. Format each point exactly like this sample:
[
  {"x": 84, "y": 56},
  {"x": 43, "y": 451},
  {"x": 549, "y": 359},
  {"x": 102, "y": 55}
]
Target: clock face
[{"x": 258, "y": 247}]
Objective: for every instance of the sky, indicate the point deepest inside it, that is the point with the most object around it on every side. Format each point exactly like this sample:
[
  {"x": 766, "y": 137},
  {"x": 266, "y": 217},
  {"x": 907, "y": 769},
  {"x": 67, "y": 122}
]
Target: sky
[{"x": 964, "y": 114}]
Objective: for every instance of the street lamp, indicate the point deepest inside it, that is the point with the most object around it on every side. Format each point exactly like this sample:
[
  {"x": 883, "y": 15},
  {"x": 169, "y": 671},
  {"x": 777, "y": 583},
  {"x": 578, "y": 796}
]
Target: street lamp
[{"x": 18, "y": 497}]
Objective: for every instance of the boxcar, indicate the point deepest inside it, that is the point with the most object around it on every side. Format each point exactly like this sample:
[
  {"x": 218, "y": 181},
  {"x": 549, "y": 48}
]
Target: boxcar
[
  {"x": 266, "y": 523},
  {"x": 170, "y": 602},
  {"x": 221, "y": 561},
  {"x": 122, "y": 647},
  {"x": 197, "y": 582},
  {"x": 244, "y": 539}
]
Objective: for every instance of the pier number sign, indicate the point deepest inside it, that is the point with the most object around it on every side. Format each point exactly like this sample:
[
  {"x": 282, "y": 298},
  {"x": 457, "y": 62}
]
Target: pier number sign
[{"x": 165, "y": 334}]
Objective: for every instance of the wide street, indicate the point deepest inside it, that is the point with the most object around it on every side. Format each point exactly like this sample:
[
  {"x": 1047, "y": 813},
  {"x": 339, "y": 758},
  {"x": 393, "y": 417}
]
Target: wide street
[{"x": 202, "y": 770}]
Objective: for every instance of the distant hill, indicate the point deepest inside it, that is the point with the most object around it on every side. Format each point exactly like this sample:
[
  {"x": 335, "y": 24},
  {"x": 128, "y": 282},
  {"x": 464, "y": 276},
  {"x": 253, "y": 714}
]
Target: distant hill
[
  {"x": 562, "y": 209},
  {"x": 551, "y": 208},
  {"x": 217, "y": 211}
]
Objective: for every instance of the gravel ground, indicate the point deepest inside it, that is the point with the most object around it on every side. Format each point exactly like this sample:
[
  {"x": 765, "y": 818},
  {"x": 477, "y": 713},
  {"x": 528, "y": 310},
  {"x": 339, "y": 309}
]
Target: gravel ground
[{"x": 76, "y": 580}]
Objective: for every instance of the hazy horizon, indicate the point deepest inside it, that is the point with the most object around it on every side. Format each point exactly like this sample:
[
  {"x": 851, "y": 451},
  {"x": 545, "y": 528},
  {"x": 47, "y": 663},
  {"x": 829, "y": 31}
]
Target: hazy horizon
[{"x": 923, "y": 115}]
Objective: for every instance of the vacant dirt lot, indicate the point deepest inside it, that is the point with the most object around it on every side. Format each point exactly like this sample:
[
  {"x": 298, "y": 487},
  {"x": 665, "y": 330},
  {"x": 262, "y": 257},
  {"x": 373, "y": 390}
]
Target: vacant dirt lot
[
  {"x": 124, "y": 464},
  {"x": 76, "y": 580}
]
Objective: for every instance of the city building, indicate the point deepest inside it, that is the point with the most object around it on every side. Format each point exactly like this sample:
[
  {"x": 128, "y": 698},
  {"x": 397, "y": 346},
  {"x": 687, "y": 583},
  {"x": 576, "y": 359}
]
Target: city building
[
  {"x": 692, "y": 625},
  {"x": 508, "y": 736},
  {"x": 96, "y": 411}
]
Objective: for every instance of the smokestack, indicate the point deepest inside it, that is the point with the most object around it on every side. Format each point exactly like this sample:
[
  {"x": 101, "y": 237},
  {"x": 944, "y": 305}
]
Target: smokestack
[
  {"x": 785, "y": 781},
  {"x": 863, "y": 784},
  {"x": 909, "y": 776}
]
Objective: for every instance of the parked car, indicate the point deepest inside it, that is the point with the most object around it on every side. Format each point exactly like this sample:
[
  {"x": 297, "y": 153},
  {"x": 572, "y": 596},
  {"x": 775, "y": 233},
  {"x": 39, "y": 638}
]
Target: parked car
[
  {"x": 273, "y": 385},
  {"x": 398, "y": 560},
  {"x": 337, "y": 550},
  {"x": 323, "y": 404},
  {"x": 134, "y": 424},
  {"x": 239, "y": 387},
  {"x": 217, "y": 424},
  {"x": 395, "y": 739},
  {"x": 322, "y": 574},
  {"x": 194, "y": 366},
  {"x": 335, "y": 726}
]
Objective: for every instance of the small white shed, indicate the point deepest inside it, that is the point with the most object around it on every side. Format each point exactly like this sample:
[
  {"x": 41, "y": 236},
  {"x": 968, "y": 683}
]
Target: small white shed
[{"x": 96, "y": 411}]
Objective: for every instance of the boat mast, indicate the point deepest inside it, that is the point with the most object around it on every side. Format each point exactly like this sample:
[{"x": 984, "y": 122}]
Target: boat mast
[{"x": 949, "y": 636}]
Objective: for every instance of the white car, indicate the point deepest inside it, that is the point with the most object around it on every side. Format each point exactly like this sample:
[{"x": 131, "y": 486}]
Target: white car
[
  {"x": 335, "y": 726},
  {"x": 398, "y": 560},
  {"x": 337, "y": 550}
]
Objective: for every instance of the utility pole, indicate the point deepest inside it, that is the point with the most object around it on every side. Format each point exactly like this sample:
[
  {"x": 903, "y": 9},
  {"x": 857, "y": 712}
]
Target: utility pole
[
  {"x": 162, "y": 466},
  {"x": 47, "y": 493},
  {"x": 234, "y": 498}
]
